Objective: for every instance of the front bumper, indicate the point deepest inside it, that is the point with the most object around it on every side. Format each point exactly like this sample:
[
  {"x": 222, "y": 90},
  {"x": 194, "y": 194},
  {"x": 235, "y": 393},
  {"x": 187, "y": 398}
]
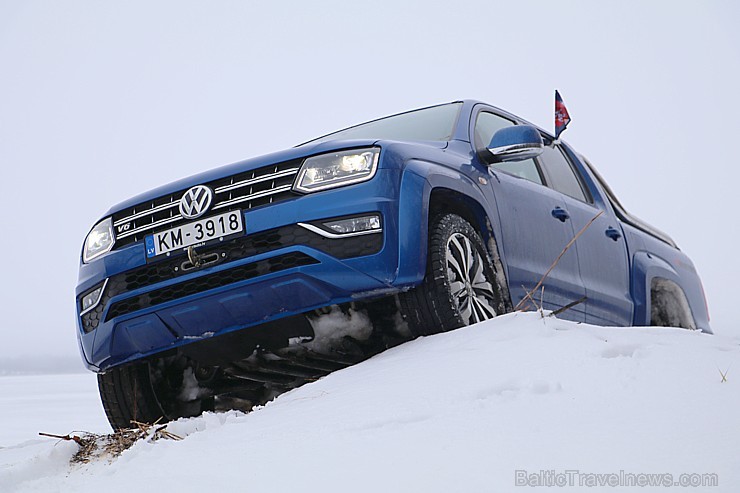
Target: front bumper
[{"x": 276, "y": 270}]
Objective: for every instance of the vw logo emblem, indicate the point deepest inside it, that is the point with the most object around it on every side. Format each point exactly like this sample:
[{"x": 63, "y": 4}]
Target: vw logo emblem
[{"x": 196, "y": 201}]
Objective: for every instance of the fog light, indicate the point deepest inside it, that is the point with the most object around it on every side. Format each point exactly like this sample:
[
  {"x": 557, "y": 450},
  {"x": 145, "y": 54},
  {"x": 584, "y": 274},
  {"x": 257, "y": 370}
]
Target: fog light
[
  {"x": 91, "y": 299},
  {"x": 355, "y": 224}
]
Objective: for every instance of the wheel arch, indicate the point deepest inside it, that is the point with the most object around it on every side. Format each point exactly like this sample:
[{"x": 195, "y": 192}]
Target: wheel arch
[
  {"x": 447, "y": 201},
  {"x": 441, "y": 192},
  {"x": 653, "y": 276}
]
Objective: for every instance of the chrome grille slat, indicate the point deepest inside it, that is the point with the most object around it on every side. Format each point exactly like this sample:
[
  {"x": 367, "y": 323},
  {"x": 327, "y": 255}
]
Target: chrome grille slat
[
  {"x": 253, "y": 196},
  {"x": 252, "y": 181},
  {"x": 145, "y": 213},
  {"x": 246, "y": 190},
  {"x": 147, "y": 227}
]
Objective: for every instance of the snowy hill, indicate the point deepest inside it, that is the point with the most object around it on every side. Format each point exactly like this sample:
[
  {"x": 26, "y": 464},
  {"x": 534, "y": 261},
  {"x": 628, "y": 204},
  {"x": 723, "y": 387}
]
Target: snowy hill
[{"x": 460, "y": 411}]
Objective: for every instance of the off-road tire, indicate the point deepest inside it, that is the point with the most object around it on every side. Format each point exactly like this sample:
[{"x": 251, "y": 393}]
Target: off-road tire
[
  {"x": 127, "y": 395},
  {"x": 437, "y": 304},
  {"x": 148, "y": 392}
]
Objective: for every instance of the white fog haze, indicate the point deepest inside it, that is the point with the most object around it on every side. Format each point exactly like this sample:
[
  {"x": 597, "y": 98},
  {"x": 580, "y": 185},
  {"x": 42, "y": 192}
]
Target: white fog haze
[{"x": 100, "y": 101}]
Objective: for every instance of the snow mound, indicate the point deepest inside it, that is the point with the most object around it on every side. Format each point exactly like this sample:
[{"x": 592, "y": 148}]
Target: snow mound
[{"x": 467, "y": 410}]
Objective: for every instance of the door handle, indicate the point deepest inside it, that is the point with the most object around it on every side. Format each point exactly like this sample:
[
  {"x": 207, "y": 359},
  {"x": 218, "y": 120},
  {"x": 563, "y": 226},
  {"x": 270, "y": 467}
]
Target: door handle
[
  {"x": 560, "y": 214},
  {"x": 612, "y": 233}
]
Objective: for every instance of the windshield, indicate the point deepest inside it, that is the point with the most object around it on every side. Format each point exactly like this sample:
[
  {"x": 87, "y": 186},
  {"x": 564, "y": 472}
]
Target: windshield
[{"x": 434, "y": 123}]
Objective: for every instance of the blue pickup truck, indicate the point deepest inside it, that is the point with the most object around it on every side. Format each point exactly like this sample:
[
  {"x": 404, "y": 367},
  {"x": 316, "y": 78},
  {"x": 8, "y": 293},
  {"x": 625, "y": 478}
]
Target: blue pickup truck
[{"x": 223, "y": 289}]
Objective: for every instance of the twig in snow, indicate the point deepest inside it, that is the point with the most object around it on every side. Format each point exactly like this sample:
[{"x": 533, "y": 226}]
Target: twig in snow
[
  {"x": 528, "y": 297},
  {"x": 567, "y": 247},
  {"x": 70, "y": 438},
  {"x": 542, "y": 304},
  {"x": 567, "y": 307}
]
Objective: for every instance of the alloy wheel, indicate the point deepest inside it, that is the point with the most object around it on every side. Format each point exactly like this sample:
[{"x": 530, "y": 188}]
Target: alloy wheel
[{"x": 473, "y": 295}]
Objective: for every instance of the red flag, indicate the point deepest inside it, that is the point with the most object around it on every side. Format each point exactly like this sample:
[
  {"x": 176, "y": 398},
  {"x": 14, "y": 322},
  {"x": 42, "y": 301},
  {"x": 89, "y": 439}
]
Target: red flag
[{"x": 562, "y": 118}]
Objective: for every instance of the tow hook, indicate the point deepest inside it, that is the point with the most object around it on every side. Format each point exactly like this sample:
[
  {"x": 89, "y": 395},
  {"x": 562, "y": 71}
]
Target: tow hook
[{"x": 196, "y": 260}]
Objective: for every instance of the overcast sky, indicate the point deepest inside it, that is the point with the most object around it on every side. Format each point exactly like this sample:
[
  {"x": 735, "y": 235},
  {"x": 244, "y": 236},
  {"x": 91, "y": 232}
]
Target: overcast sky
[{"x": 100, "y": 101}]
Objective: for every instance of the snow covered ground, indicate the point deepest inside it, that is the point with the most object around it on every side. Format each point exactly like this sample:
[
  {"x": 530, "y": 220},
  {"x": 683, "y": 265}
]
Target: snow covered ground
[
  {"x": 470, "y": 410},
  {"x": 48, "y": 403}
]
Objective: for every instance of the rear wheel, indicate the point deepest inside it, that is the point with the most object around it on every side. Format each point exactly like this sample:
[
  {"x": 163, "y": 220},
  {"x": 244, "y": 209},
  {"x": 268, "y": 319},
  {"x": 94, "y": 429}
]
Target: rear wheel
[
  {"x": 460, "y": 286},
  {"x": 669, "y": 306}
]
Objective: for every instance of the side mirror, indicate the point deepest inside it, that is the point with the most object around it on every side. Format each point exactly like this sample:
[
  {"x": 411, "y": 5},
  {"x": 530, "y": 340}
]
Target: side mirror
[{"x": 516, "y": 143}]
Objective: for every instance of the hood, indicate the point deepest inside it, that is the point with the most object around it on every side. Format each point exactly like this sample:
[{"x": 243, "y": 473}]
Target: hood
[{"x": 291, "y": 154}]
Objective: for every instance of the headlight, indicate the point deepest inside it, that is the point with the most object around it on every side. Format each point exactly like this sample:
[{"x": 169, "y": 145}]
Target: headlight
[
  {"x": 99, "y": 240},
  {"x": 337, "y": 169}
]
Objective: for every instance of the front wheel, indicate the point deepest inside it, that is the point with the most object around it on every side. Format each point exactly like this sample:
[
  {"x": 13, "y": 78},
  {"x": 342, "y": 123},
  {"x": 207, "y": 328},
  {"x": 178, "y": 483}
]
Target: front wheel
[
  {"x": 151, "y": 391},
  {"x": 460, "y": 286}
]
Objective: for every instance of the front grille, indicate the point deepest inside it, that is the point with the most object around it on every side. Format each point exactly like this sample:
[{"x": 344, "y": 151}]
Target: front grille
[
  {"x": 210, "y": 281},
  {"x": 247, "y": 190}
]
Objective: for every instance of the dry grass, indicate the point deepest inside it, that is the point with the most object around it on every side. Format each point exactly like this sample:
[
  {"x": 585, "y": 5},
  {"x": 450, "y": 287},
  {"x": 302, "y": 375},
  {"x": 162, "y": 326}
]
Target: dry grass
[{"x": 94, "y": 447}]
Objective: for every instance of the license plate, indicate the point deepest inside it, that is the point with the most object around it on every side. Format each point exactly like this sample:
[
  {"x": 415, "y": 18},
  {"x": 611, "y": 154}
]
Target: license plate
[{"x": 198, "y": 232}]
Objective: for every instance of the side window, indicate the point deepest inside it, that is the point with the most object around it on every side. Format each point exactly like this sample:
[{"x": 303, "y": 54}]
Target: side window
[
  {"x": 488, "y": 124},
  {"x": 562, "y": 176},
  {"x": 523, "y": 169}
]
